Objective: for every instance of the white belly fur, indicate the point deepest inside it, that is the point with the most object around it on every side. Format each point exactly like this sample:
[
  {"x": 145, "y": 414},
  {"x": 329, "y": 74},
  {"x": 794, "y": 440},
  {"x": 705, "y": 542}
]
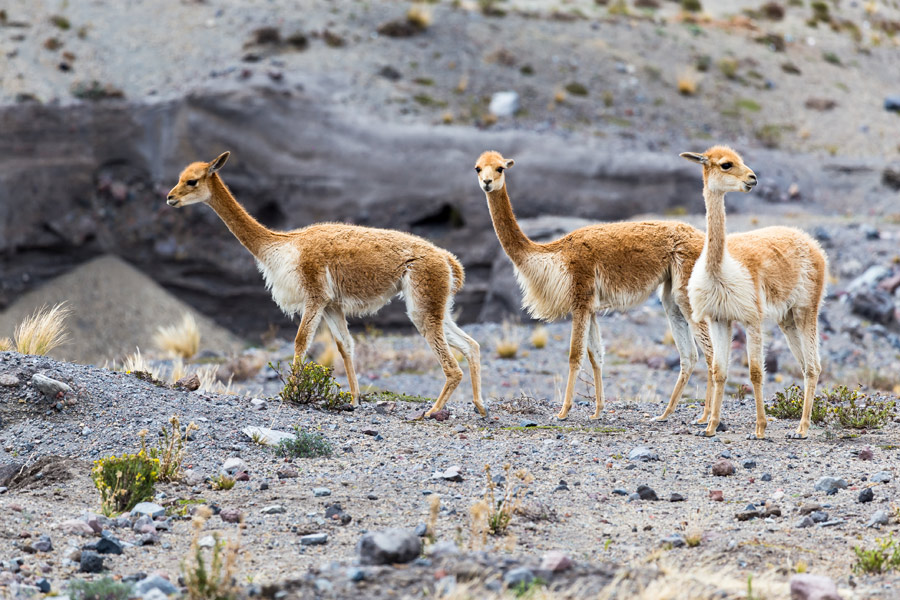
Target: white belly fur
[
  {"x": 727, "y": 297},
  {"x": 546, "y": 287},
  {"x": 279, "y": 265}
]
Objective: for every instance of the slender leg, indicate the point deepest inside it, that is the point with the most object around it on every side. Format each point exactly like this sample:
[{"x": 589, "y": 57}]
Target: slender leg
[
  {"x": 576, "y": 355},
  {"x": 309, "y": 323},
  {"x": 808, "y": 334},
  {"x": 757, "y": 367},
  {"x": 434, "y": 335},
  {"x": 595, "y": 355},
  {"x": 687, "y": 350},
  {"x": 458, "y": 339},
  {"x": 337, "y": 324},
  {"x": 720, "y": 335},
  {"x": 702, "y": 330}
]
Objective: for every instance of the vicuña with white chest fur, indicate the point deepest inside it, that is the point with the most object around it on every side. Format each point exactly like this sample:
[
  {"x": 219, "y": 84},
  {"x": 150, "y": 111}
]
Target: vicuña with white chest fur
[
  {"x": 774, "y": 272},
  {"x": 330, "y": 270}
]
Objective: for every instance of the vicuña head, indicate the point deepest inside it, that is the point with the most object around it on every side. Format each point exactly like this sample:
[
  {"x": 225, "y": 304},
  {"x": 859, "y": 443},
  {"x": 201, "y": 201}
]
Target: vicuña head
[
  {"x": 194, "y": 182},
  {"x": 490, "y": 168},
  {"x": 724, "y": 170}
]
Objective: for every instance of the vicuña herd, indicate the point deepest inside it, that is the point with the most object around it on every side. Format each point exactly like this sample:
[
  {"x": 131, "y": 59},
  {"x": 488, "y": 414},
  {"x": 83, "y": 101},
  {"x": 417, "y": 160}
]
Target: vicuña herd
[{"x": 706, "y": 281}]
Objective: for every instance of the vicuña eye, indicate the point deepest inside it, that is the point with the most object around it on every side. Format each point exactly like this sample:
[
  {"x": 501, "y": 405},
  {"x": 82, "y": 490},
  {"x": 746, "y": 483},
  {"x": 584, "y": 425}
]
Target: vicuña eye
[
  {"x": 478, "y": 169},
  {"x": 191, "y": 182},
  {"x": 499, "y": 169},
  {"x": 725, "y": 166}
]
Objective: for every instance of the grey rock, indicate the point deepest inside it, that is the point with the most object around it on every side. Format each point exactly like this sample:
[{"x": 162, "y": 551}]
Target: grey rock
[
  {"x": 449, "y": 474},
  {"x": 321, "y": 492},
  {"x": 806, "y": 586},
  {"x": 259, "y": 404},
  {"x": 355, "y": 574},
  {"x": 642, "y": 454},
  {"x": 43, "y": 544},
  {"x": 881, "y": 477},
  {"x": 154, "y": 594},
  {"x": 555, "y": 561},
  {"x": 91, "y": 562},
  {"x": 520, "y": 576},
  {"x": 442, "y": 549},
  {"x": 528, "y": 424},
  {"x": 809, "y": 507},
  {"x": 676, "y": 497},
  {"x": 314, "y": 539},
  {"x": 193, "y": 478},
  {"x": 144, "y": 524},
  {"x": 155, "y": 582},
  {"x": 323, "y": 586},
  {"x": 645, "y": 492},
  {"x": 748, "y": 464},
  {"x": 676, "y": 540},
  {"x": 421, "y": 529},
  {"x": 48, "y": 386},
  {"x": 722, "y": 468},
  {"x": 504, "y": 104},
  {"x": 766, "y": 477},
  {"x": 150, "y": 509},
  {"x": 805, "y": 522},
  {"x": 866, "y": 495},
  {"x": 819, "y": 516},
  {"x": 230, "y": 515},
  {"x": 207, "y": 541},
  {"x": 43, "y": 585},
  {"x": 232, "y": 466},
  {"x": 827, "y": 484},
  {"x": 620, "y": 492},
  {"x": 265, "y": 436},
  {"x": 892, "y": 103},
  {"x": 875, "y": 305},
  {"x": 105, "y": 545},
  {"x": 879, "y": 517},
  {"x": 868, "y": 280},
  {"x": 274, "y": 509},
  {"x": 389, "y": 547}
]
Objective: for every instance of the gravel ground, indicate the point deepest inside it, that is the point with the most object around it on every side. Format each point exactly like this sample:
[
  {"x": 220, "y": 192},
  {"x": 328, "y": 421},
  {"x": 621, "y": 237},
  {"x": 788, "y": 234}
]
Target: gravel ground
[{"x": 382, "y": 470}]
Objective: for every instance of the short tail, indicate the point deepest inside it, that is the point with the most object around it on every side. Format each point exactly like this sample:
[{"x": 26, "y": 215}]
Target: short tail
[{"x": 459, "y": 275}]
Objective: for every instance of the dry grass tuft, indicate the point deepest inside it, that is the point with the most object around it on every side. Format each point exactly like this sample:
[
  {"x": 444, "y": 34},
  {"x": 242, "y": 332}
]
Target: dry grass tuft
[
  {"x": 688, "y": 83},
  {"x": 181, "y": 340},
  {"x": 209, "y": 382},
  {"x": 539, "y": 337},
  {"x": 136, "y": 363},
  {"x": 419, "y": 16},
  {"x": 507, "y": 345},
  {"x": 43, "y": 331},
  {"x": 6, "y": 344},
  {"x": 434, "y": 509},
  {"x": 210, "y": 574}
]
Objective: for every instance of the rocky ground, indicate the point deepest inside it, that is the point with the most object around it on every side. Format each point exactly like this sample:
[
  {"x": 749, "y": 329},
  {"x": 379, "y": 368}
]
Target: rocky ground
[{"x": 586, "y": 500}]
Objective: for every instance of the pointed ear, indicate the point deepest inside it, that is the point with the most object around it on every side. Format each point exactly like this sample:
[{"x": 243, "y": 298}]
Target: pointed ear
[
  {"x": 694, "y": 157},
  {"x": 217, "y": 164},
  {"x": 510, "y": 162}
]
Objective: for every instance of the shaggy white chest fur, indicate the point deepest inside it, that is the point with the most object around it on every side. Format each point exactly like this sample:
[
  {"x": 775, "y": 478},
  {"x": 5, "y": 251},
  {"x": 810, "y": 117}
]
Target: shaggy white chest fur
[
  {"x": 278, "y": 266},
  {"x": 546, "y": 287},
  {"x": 726, "y": 297}
]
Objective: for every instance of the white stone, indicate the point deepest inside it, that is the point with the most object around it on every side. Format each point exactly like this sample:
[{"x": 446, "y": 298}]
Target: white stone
[
  {"x": 233, "y": 465},
  {"x": 266, "y": 437},
  {"x": 504, "y": 104}
]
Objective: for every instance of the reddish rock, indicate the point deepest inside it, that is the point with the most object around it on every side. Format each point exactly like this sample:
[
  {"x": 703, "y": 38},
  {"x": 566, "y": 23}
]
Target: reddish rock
[
  {"x": 230, "y": 515},
  {"x": 189, "y": 382},
  {"x": 242, "y": 476},
  {"x": 866, "y": 454},
  {"x": 716, "y": 495},
  {"x": 441, "y": 415},
  {"x": 556, "y": 561},
  {"x": 723, "y": 468},
  {"x": 813, "y": 587},
  {"x": 287, "y": 472}
]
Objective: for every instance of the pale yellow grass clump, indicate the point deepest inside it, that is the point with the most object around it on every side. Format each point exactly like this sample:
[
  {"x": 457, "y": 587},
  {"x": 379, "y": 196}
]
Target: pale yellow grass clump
[
  {"x": 687, "y": 83},
  {"x": 539, "y": 337},
  {"x": 211, "y": 573},
  {"x": 182, "y": 339},
  {"x": 6, "y": 344},
  {"x": 419, "y": 16},
  {"x": 135, "y": 362},
  {"x": 507, "y": 345},
  {"x": 210, "y": 383},
  {"x": 43, "y": 331}
]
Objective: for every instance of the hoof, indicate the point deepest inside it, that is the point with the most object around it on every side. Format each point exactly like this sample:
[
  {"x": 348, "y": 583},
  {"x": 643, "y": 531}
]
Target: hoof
[
  {"x": 484, "y": 413},
  {"x": 595, "y": 416},
  {"x": 704, "y": 433},
  {"x": 797, "y": 436},
  {"x": 753, "y": 436},
  {"x": 661, "y": 419},
  {"x": 561, "y": 417}
]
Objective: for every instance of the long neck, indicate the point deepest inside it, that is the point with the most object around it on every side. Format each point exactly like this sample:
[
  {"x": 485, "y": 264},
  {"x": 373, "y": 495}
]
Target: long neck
[
  {"x": 514, "y": 241},
  {"x": 715, "y": 230},
  {"x": 249, "y": 232}
]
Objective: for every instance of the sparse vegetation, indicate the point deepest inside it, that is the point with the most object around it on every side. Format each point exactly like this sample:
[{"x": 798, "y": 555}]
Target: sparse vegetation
[
  {"x": 687, "y": 83},
  {"x": 170, "y": 450},
  {"x": 182, "y": 339},
  {"x": 576, "y": 89},
  {"x": 6, "y": 344},
  {"x": 884, "y": 557},
  {"x": 124, "y": 481},
  {"x": 693, "y": 6},
  {"x": 104, "y": 588},
  {"x": 43, "y": 331},
  {"x": 304, "y": 445},
  {"x": 61, "y": 22},
  {"x": 209, "y": 574},
  {"x": 539, "y": 337},
  {"x": 501, "y": 510},
  {"x": 840, "y": 406},
  {"x": 507, "y": 346},
  {"x": 96, "y": 91},
  {"x": 728, "y": 67},
  {"x": 223, "y": 482},
  {"x": 309, "y": 383},
  {"x": 491, "y": 8}
]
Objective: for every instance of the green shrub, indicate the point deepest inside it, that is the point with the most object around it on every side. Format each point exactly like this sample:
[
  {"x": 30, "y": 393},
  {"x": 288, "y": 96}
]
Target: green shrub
[
  {"x": 124, "y": 481},
  {"x": 170, "y": 450},
  {"x": 304, "y": 445},
  {"x": 881, "y": 559},
  {"x": 691, "y": 5},
  {"x": 223, "y": 482},
  {"x": 841, "y": 406},
  {"x": 101, "y": 589},
  {"x": 309, "y": 383}
]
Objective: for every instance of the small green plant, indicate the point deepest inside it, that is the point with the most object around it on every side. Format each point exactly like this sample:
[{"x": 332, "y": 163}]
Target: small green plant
[
  {"x": 309, "y": 383},
  {"x": 728, "y": 67},
  {"x": 576, "y": 89},
  {"x": 170, "y": 450},
  {"x": 223, "y": 482},
  {"x": 124, "y": 481},
  {"x": 832, "y": 58},
  {"x": 502, "y": 509},
  {"x": 209, "y": 574},
  {"x": 528, "y": 590},
  {"x": 490, "y": 8},
  {"x": 694, "y": 6},
  {"x": 100, "y": 589},
  {"x": 61, "y": 22},
  {"x": 789, "y": 405},
  {"x": 304, "y": 445},
  {"x": 852, "y": 409},
  {"x": 884, "y": 557}
]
